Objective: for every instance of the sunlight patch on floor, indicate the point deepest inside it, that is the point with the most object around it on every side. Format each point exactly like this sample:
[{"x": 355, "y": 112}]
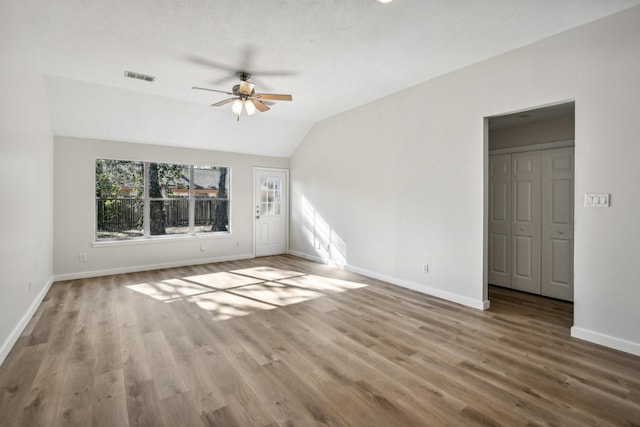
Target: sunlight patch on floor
[
  {"x": 224, "y": 305},
  {"x": 268, "y": 273},
  {"x": 223, "y": 280},
  {"x": 322, "y": 284},
  {"x": 276, "y": 293},
  {"x": 168, "y": 289},
  {"x": 241, "y": 292}
]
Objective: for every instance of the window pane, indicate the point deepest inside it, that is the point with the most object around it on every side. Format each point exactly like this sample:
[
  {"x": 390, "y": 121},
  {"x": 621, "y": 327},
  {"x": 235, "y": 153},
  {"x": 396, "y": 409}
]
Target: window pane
[
  {"x": 212, "y": 199},
  {"x": 169, "y": 217},
  {"x": 169, "y": 194},
  {"x": 119, "y": 199},
  {"x": 168, "y": 180}
]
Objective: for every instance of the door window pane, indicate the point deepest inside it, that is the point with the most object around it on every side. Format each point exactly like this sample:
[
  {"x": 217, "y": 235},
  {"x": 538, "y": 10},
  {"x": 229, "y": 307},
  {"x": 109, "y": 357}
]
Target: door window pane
[{"x": 270, "y": 196}]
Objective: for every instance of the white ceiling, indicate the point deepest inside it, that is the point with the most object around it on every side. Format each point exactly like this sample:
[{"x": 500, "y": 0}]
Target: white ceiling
[{"x": 332, "y": 55}]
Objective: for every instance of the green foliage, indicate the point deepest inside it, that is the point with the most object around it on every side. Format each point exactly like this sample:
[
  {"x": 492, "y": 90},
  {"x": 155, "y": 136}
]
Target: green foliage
[
  {"x": 168, "y": 176},
  {"x": 114, "y": 176}
]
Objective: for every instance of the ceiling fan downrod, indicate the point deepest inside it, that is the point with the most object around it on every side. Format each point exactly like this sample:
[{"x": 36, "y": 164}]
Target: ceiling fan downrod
[{"x": 243, "y": 75}]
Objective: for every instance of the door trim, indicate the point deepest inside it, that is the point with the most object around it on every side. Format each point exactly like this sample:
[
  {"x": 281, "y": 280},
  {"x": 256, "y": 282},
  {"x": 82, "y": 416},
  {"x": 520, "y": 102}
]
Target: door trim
[
  {"x": 534, "y": 147},
  {"x": 257, "y": 169}
]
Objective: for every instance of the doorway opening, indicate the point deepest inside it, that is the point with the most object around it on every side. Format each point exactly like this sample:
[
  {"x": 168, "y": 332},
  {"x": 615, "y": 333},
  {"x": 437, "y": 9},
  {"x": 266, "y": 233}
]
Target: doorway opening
[{"x": 529, "y": 201}]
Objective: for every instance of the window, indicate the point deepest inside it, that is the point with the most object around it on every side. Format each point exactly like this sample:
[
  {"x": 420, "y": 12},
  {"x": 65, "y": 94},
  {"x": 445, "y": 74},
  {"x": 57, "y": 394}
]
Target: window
[{"x": 144, "y": 199}]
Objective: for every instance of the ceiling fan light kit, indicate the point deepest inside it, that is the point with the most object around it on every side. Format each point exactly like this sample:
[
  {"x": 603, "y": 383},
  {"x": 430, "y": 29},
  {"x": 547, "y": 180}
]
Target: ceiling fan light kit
[
  {"x": 245, "y": 96},
  {"x": 249, "y": 107},
  {"x": 236, "y": 107}
]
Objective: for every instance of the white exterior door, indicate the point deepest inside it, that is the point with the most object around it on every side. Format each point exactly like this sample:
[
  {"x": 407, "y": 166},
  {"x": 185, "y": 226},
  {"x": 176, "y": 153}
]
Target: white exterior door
[
  {"x": 271, "y": 207},
  {"x": 500, "y": 220},
  {"x": 525, "y": 228},
  {"x": 557, "y": 223}
]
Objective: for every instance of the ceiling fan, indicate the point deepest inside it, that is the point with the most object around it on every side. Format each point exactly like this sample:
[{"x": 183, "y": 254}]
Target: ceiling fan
[{"x": 245, "y": 96}]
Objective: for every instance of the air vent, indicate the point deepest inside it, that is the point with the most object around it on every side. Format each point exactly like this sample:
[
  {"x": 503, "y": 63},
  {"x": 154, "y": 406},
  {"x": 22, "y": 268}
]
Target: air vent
[{"x": 139, "y": 76}]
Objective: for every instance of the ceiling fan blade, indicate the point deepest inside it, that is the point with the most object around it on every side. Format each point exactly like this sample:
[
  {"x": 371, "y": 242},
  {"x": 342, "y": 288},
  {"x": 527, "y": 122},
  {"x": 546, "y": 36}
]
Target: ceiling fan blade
[
  {"x": 213, "y": 90},
  {"x": 273, "y": 97},
  {"x": 246, "y": 88},
  {"x": 221, "y": 103},
  {"x": 260, "y": 106}
]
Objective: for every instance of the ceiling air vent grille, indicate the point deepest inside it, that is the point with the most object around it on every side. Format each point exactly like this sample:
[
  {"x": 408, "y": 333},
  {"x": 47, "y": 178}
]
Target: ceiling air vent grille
[{"x": 139, "y": 76}]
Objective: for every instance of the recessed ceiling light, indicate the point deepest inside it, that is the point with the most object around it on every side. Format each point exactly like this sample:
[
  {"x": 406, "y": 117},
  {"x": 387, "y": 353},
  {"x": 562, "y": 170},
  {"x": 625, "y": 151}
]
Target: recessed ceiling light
[{"x": 385, "y": 1}]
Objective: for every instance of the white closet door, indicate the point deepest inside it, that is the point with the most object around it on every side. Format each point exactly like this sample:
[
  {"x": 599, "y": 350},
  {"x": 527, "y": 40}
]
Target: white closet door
[
  {"x": 499, "y": 220},
  {"x": 557, "y": 223},
  {"x": 525, "y": 230}
]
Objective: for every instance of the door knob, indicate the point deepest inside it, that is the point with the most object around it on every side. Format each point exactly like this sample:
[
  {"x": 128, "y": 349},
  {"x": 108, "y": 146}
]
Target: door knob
[
  {"x": 521, "y": 228},
  {"x": 561, "y": 232}
]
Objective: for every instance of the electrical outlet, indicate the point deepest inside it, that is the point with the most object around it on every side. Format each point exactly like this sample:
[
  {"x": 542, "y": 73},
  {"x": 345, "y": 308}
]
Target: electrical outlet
[
  {"x": 425, "y": 268},
  {"x": 83, "y": 257},
  {"x": 202, "y": 248}
]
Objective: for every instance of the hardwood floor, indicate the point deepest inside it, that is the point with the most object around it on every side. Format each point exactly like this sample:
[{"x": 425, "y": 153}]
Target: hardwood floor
[{"x": 282, "y": 341}]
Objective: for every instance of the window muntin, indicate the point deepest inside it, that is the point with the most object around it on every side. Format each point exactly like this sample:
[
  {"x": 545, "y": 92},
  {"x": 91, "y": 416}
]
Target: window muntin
[{"x": 169, "y": 199}]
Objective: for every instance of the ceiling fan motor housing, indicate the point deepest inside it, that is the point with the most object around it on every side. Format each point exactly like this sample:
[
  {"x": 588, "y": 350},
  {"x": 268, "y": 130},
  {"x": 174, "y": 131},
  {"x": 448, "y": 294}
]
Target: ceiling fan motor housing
[{"x": 236, "y": 91}]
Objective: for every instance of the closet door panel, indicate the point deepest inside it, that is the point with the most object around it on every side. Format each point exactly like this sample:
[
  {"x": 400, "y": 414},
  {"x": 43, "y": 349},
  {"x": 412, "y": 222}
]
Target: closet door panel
[
  {"x": 525, "y": 227},
  {"x": 557, "y": 222},
  {"x": 500, "y": 220}
]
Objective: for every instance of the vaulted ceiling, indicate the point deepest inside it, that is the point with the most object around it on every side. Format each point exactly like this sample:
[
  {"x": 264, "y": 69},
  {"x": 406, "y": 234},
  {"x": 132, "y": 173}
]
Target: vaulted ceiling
[{"x": 332, "y": 55}]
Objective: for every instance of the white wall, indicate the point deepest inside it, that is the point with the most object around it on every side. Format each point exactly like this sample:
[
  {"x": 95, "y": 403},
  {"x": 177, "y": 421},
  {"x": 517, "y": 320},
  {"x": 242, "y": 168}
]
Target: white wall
[
  {"x": 26, "y": 174},
  {"x": 401, "y": 180},
  {"x": 75, "y": 210}
]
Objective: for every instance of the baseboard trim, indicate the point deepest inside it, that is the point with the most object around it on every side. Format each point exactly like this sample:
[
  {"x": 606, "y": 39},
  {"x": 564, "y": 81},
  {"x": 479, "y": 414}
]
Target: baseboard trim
[
  {"x": 449, "y": 296},
  {"x": 148, "y": 267},
  {"x": 24, "y": 321},
  {"x": 606, "y": 340}
]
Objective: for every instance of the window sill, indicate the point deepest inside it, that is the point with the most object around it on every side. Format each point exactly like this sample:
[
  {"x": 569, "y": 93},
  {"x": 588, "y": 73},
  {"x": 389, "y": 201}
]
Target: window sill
[{"x": 159, "y": 239}]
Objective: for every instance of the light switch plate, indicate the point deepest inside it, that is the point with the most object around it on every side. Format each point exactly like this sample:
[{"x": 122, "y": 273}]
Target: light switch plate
[{"x": 597, "y": 200}]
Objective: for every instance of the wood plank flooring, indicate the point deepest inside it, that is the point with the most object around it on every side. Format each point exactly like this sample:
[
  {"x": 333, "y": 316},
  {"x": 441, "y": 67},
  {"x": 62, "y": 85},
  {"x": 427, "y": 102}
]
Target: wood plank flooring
[{"x": 280, "y": 341}]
